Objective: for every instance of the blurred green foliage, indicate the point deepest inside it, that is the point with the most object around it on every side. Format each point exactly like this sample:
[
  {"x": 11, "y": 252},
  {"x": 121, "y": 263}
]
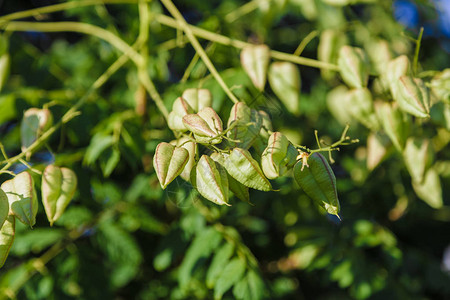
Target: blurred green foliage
[{"x": 123, "y": 237}]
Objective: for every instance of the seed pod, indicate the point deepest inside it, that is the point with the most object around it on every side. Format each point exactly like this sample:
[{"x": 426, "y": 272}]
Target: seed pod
[
  {"x": 396, "y": 68},
  {"x": 380, "y": 54},
  {"x": 191, "y": 147},
  {"x": 23, "y": 202},
  {"x": 197, "y": 98},
  {"x": 238, "y": 189},
  {"x": 211, "y": 181},
  {"x": 318, "y": 182},
  {"x": 440, "y": 114},
  {"x": 246, "y": 124},
  {"x": 255, "y": 60},
  {"x": 206, "y": 126},
  {"x": 430, "y": 189},
  {"x": 411, "y": 94},
  {"x": 58, "y": 187},
  {"x": 440, "y": 86},
  {"x": 353, "y": 66},
  {"x": 284, "y": 79},
  {"x": 5, "y": 62},
  {"x": 278, "y": 157},
  {"x": 393, "y": 122},
  {"x": 242, "y": 167},
  {"x": 4, "y": 207},
  {"x": 169, "y": 161},
  {"x": 360, "y": 106},
  {"x": 180, "y": 108},
  {"x": 7, "y": 233},
  {"x": 376, "y": 150},
  {"x": 337, "y": 102},
  {"x": 35, "y": 121},
  {"x": 266, "y": 125},
  {"x": 417, "y": 155},
  {"x": 328, "y": 50}
]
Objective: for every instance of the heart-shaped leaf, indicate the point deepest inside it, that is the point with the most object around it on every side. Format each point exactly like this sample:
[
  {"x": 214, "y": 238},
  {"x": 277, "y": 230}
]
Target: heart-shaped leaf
[
  {"x": 58, "y": 187},
  {"x": 180, "y": 108},
  {"x": 238, "y": 189},
  {"x": 35, "y": 121},
  {"x": 255, "y": 60},
  {"x": 318, "y": 182},
  {"x": 246, "y": 123},
  {"x": 395, "y": 125},
  {"x": 430, "y": 189},
  {"x": 211, "y": 180},
  {"x": 284, "y": 79},
  {"x": 279, "y": 156},
  {"x": 417, "y": 154},
  {"x": 206, "y": 126},
  {"x": 353, "y": 66},
  {"x": 242, "y": 167},
  {"x": 412, "y": 96},
  {"x": 198, "y": 98},
  {"x": 360, "y": 106},
  {"x": 23, "y": 202},
  {"x": 191, "y": 147},
  {"x": 169, "y": 161}
]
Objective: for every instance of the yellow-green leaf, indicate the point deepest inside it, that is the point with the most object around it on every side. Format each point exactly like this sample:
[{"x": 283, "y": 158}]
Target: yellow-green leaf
[{"x": 58, "y": 187}]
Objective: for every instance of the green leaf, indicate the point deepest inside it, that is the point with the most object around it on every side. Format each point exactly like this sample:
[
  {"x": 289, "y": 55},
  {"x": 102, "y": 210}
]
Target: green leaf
[
  {"x": 7, "y": 232},
  {"x": 111, "y": 162},
  {"x": 221, "y": 258},
  {"x": 201, "y": 248},
  {"x": 36, "y": 240},
  {"x": 99, "y": 143},
  {"x": 123, "y": 254},
  {"x": 231, "y": 274},
  {"x": 318, "y": 182}
]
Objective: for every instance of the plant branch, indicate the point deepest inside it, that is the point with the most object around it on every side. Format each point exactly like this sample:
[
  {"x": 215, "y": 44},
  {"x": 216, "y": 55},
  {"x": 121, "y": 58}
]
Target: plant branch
[
  {"x": 60, "y": 7},
  {"x": 224, "y": 40},
  {"x": 198, "y": 48}
]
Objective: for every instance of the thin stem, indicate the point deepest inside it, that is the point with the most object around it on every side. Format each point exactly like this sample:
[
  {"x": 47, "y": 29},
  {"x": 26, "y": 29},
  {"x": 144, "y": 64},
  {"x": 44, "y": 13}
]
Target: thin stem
[
  {"x": 188, "y": 31},
  {"x": 241, "y": 11},
  {"x": 305, "y": 42},
  {"x": 80, "y": 28},
  {"x": 60, "y": 7},
  {"x": 416, "y": 53},
  {"x": 30, "y": 167},
  {"x": 224, "y": 40},
  {"x": 104, "y": 35}
]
